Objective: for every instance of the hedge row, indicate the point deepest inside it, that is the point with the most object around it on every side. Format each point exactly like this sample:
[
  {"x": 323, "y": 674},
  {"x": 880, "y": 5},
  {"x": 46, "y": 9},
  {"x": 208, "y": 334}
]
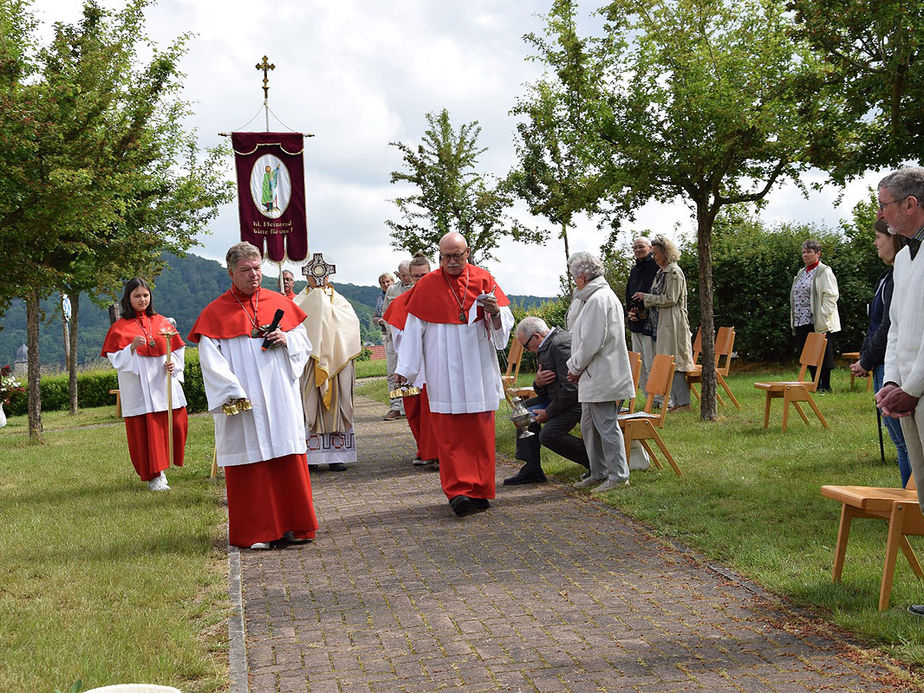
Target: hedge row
[{"x": 93, "y": 389}]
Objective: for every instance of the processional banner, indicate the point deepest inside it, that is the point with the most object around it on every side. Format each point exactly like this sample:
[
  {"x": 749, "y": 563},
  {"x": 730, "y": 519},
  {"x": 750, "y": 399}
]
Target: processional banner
[{"x": 271, "y": 192}]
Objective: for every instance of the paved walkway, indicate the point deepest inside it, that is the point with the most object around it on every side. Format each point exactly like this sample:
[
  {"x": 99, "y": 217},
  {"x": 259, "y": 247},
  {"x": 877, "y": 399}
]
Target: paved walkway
[{"x": 547, "y": 591}]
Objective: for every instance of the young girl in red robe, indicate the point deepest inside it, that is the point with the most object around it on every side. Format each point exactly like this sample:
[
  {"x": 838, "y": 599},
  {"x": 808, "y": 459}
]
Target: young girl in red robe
[{"x": 137, "y": 348}]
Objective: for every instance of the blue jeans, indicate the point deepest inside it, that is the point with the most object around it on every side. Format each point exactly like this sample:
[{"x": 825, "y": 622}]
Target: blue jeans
[{"x": 894, "y": 427}]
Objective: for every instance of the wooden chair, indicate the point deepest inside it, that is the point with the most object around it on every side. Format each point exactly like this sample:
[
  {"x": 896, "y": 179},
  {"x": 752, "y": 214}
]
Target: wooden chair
[
  {"x": 799, "y": 390},
  {"x": 509, "y": 379},
  {"x": 898, "y": 507},
  {"x": 851, "y": 357},
  {"x": 724, "y": 348},
  {"x": 635, "y": 365},
  {"x": 642, "y": 426}
]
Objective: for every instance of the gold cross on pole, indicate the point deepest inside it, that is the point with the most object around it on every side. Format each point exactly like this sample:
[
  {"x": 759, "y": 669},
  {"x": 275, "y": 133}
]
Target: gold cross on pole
[{"x": 266, "y": 66}]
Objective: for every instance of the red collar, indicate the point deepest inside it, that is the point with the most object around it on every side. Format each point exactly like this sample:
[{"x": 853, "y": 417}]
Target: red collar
[{"x": 811, "y": 267}]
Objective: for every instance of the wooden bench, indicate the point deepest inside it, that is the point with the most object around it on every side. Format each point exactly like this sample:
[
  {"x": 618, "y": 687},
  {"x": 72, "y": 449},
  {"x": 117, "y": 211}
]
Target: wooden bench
[{"x": 898, "y": 507}]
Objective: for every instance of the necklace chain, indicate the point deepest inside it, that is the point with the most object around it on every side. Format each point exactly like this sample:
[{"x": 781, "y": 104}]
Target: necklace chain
[
  {"x": 253, "y": 320},
  {"x": 147, "y": 333},
  {"x": 461, "y": 301}
]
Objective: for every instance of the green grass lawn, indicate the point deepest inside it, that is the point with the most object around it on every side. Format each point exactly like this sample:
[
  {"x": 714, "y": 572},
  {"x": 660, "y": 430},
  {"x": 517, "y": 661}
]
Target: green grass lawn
[
  {"x": 369, "y": 369},
  {"x": 750, "y": 498},
  {"x": 102, "y": 581}
]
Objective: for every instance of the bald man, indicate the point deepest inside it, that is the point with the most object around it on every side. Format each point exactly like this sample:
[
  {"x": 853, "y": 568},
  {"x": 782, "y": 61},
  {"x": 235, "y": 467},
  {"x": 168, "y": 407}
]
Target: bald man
[{"x": 457, "y": 320}]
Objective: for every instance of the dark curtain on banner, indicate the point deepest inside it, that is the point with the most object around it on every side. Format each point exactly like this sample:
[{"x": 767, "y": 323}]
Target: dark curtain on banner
[{"x": 271, "y": 192}]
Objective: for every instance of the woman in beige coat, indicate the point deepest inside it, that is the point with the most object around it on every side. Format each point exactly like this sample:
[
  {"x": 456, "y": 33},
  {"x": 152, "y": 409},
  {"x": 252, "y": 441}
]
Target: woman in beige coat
[{"x": 668, "y": 304}]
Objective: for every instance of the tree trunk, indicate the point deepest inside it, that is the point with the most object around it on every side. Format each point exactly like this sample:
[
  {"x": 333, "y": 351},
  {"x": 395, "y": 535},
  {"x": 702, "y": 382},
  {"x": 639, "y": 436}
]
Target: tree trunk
[
  {"x": 704, "y": 218},
  {"x": 72, "y": 361},
  {"x": 564, "y": 236},
  {"x": 35, "y": 375},
  {"x": 67, "y": 344}
]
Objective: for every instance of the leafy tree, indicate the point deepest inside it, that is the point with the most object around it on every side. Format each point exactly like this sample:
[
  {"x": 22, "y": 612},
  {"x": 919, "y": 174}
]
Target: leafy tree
[
  {"x": 451, "y": 195},
  {"x": 754, "y": 266},
  {"x": 554, "y": 175},
  {"x": 91, "y": 144},
  {"x": 874, "y": 58},
  {"x": 697, "y": 100}
]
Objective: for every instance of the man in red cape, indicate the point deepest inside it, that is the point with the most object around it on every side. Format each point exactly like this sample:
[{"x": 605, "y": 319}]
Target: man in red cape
[
  {"x": 262, "y": 449},
  {"x": 417, "y": 407},
  {"x": 457, "y": 320}
]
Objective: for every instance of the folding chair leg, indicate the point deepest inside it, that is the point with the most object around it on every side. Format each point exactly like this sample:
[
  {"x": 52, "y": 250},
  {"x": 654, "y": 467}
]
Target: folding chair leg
[
  {"x": 654, "y": 458},
  {"x": 817, "y": 411},
  {"x": 667, "y": 454},
  {"x": 912, "y": 559},
  {"x": 694, "y": 392},
  {"x": 721, "y": 380},
  {"x": 892, "y": 544},
  {"x": 801, "y": 412},
  {"x": 843, "y": 534},
  {"x": 767, "y": 411}
]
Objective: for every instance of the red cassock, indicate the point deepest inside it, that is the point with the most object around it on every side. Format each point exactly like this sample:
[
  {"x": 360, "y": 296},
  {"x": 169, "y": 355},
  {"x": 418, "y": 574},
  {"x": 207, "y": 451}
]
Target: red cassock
[
  {"x": 465, "y": 441},
  {"x": 416, "y": 407},
  {"x": 266, "y": 498},
  {"x": 144, "y": 403}
]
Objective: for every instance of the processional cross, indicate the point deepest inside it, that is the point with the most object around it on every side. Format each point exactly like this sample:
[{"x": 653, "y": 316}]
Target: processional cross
[{"x": 266, "y": 66}]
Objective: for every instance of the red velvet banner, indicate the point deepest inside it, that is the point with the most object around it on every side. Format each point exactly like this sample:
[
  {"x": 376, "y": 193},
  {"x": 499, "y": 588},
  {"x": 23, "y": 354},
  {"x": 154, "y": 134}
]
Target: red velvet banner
[{"x": 271, "y": 192}]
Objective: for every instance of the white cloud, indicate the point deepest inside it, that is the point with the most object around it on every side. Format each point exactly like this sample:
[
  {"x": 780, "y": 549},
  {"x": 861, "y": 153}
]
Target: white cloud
[{"x": 359, "y": 74}]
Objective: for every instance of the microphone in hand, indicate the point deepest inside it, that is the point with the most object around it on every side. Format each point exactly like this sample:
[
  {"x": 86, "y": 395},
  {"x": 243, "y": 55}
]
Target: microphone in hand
[{"x": 277, "y": 318}]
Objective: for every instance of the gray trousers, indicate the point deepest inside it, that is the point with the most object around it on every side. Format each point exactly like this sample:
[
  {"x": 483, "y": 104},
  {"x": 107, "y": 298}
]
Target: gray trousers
[
  {"x": 645, "y": 345},
  {"x": 913, "y": 428},
  {"x": 606, "y": 447}
]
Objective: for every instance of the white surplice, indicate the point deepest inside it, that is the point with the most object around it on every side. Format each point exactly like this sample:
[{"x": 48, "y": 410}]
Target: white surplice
[
  {"x": 143, "y": 381},
  {"x": 458, "y": 362},
  {"x": 238, "y": 368}
]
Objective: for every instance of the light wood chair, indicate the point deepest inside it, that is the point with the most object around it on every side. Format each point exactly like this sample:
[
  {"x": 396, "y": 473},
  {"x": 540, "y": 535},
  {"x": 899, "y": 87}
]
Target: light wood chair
[
  {"x": 724, "y": 349},
  {"x": 898, "y": 507},
  {"x": 509, "y": 379},
  {"x": 642, "y": 426},
  {"x": 851, "y": 357},
  {"x": 799, "y": 390},
  {"x": 635, "y": 365}
]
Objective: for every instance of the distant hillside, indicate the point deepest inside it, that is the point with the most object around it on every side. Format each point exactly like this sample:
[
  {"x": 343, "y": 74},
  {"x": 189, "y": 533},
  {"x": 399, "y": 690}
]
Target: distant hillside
[{"x": 184, "y": 288}]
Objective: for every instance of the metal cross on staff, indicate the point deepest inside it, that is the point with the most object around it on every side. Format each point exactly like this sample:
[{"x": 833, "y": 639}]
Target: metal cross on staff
[
  {"x": 266, "y": 66},
  {"x": 318, "y": 270}
]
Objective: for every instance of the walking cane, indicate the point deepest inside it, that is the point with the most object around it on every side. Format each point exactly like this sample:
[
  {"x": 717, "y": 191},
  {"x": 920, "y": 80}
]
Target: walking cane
[
  {"x": 168, "y": 335},
  {"x": 881, "y": 447}
]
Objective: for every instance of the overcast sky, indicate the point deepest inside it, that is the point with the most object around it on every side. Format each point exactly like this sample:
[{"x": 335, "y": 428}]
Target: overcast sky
[{"x": 359, "y": 74}]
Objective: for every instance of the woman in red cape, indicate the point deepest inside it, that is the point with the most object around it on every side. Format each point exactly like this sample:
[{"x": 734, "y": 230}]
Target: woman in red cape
[{"x": 136, "y": 346}]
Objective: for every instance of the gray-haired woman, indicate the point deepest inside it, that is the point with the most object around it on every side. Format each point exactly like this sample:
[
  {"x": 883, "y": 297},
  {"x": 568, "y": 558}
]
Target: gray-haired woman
[
  {"x": 813, "y": 306},
  {"x": 668, "y": 304}
]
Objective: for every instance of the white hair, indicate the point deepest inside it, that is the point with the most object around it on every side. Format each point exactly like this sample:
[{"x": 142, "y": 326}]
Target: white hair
[
  {"x": 586, "y": 264},
  {"x": 532, "y": 324}
]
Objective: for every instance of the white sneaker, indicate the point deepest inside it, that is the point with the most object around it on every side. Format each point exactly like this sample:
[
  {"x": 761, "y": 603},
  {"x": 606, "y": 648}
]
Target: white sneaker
[
  {"x": 587, "y": 483},
  {"x": 260, "y": 546},
  {"x": 158, "y": 483},
  {"x": 611, "y": 485}
]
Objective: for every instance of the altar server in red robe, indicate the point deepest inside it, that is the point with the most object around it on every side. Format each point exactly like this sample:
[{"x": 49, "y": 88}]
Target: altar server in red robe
[
  {"x": 417, "y": 407},
  {"x": 136, "y": 347},
  {"x": 457, "y": 320},
  {"x": 262, "y": 449}
]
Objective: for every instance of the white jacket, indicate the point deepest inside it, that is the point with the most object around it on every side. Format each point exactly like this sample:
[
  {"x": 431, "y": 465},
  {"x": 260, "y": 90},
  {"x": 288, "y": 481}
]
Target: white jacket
[
  {"x": 598, "y": 344},
  {"x": 824, "y": 300},
  {"x": 904, "y": 360}
]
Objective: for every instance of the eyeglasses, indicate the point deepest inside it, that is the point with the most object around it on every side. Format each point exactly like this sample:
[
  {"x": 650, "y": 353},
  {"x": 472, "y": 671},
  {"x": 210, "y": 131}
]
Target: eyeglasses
[
  {"x": 883, "y": 205},
  {"x": 454, "y": 256},
  {"x": 531, "y": 337}
]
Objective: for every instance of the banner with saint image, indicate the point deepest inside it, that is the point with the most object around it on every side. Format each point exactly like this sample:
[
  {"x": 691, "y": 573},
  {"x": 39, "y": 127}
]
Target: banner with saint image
[{"x": 271, "y": 192}]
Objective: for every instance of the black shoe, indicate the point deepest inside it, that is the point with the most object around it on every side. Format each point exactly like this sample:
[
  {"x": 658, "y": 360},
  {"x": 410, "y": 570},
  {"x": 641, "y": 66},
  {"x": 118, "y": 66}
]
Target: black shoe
[
  {"x": 481, "y": 504},
  {"x": 526, "y": 476},
  {"x": 462, "y": 505},
  {"x": 585, "y": 475},
  {"x": 916, "y": 609},
  {"x": 337, "y": 467}
]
